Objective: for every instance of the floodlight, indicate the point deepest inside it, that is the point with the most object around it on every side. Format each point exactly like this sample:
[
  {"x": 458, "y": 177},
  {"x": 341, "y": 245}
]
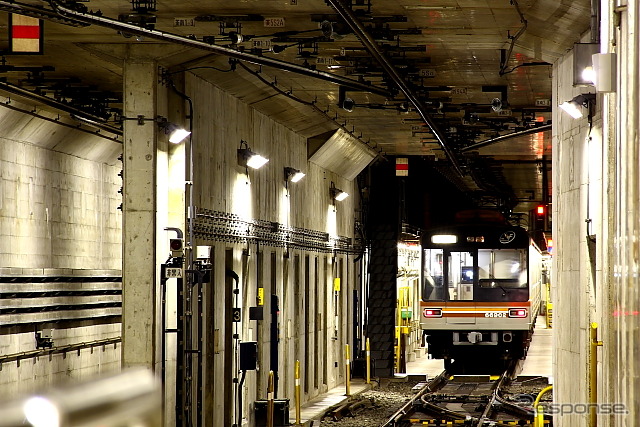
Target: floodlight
[
  {"x": 574, "y": 107},
  {"x": 248, "y": 158},
  {"x": 293, "y": 175},
  {"x": 337, "y": 194}
]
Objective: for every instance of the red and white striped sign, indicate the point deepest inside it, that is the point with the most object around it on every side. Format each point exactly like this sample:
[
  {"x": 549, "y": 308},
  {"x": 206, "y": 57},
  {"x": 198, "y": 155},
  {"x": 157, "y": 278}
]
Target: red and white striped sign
[
  {"x": 402, "y": 166},
  {"x": 25, "y": 34}
]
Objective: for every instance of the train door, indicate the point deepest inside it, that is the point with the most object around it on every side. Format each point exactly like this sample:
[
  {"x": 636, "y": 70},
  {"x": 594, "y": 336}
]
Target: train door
[
  {"x": 460, "y": 283},
  {"x": 460, "y": 268}
]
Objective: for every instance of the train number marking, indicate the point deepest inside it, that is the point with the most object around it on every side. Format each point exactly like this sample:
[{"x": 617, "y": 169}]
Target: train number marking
[{"x": 494, "y": 314}]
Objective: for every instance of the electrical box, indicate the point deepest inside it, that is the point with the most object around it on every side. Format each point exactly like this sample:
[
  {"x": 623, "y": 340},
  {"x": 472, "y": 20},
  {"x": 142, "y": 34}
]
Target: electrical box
[
  {"x": 280, "y": 412},
  {"x": 248, "y": 355},
  {"x": 203, "y": 252},
  {"x": 256, "y": 313}
]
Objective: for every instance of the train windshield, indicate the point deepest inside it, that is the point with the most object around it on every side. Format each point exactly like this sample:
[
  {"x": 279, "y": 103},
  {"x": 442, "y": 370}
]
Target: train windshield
[{"x": 475, "y": 275}]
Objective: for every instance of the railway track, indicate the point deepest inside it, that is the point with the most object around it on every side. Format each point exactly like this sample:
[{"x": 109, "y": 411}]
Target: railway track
[{"x": 476, "y": 401}]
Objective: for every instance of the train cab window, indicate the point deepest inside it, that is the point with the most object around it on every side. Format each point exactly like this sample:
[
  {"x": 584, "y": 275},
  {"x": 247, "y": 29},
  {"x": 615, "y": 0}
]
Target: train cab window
[
  {"x": 502, "y": 275},
  {"x": 432, "y": 284}
]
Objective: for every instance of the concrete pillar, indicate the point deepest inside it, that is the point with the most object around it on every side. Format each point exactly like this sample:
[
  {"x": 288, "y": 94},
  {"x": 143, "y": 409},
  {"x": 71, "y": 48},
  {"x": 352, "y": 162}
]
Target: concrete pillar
[
  {"x": 139, "y": 213},
  {"x": 383, "y": 223}
]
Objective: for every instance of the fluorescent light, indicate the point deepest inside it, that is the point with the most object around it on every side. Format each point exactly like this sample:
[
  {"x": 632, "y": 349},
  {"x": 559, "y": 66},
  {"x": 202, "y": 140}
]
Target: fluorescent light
[
  {"x": 572, "y": 108},
  {"x": 444, "y": 238}
]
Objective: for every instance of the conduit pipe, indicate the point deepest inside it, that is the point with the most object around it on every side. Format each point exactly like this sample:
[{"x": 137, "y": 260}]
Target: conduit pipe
[
  {"x": 500, "y": 138},
  {"x": 94, "y": 121},
  {"x": 373, "y": 48},
  {"x": 37, "y": 12},
  {"x": 221, "y": 50}
]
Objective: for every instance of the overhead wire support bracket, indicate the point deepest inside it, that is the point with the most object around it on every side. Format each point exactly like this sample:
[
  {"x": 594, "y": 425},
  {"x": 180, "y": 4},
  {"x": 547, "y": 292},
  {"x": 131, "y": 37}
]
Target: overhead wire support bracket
[
  {"x": 372, "y": 47},
  {"x": 222, "y": 50}
]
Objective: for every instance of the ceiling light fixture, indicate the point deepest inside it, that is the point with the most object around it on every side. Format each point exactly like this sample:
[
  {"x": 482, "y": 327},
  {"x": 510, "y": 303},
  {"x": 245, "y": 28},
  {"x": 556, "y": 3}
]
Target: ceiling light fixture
[
  {"x": 574, "y": 107},
  {"x": 248, "y": 158},
  {"x": 336, "y": 193}
]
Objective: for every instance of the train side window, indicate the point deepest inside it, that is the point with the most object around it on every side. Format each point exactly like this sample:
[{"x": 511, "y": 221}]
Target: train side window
[{"x": 432, "y": 282}]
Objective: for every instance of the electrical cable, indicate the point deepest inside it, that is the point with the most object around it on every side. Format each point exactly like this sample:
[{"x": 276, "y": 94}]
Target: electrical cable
[
  {"x": 232, "y": 68},
  {"x": 503, "y": 66},
  {"x": 309, "y": 104}
]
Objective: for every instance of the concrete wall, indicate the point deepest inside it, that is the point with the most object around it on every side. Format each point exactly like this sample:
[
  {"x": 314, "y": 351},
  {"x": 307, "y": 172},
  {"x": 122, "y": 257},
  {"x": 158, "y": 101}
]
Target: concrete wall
[
  {"x": 313, "y": 322},
  {"x": 58, "y": 217},
  {"x": 57, "y": 210},
  {"x": 619, "y": 375},
  {"x": 597, "y": 179},
  {"x": 577, "y": 192},
  {"x": 31, "y": 375}
]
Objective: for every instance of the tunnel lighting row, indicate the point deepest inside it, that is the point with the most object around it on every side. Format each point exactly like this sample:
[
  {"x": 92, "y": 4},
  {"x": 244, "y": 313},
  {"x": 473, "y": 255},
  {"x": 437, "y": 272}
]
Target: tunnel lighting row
[{"x": 249, "y": 159}]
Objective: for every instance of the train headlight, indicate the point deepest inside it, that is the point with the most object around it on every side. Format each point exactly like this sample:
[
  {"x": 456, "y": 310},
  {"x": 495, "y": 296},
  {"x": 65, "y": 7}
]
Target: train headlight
[
  {"x": 518, "y": 312},
  {"x": 432, "y": 312},
  {"x": 444, "y": 238}
]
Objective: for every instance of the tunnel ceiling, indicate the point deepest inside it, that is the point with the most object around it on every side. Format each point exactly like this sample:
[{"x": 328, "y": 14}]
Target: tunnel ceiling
[{"x": 462, "y": 72}]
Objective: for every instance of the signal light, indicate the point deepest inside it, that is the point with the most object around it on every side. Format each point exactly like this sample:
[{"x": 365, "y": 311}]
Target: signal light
[
  {"x": 518, "y": 312},
  {"x": 176, "y": 247},
  {"x": 540, "y": 210},
  {"x": 432, "y": 312}
]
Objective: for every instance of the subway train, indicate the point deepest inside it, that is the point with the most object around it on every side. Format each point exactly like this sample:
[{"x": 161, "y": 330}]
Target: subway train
[{"x": 481, "y": 292}]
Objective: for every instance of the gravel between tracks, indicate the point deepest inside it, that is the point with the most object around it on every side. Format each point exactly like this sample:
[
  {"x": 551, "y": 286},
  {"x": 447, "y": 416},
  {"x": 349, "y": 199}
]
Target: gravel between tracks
[{"x": 385, "y": 401}]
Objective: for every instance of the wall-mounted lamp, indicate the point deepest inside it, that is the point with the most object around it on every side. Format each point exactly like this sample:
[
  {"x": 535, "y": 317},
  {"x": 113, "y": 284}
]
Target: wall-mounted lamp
[
  {"x": 176, "y": 133},
  {"x": 293, "y": 175},
  {"x": 248, "y": 158},
  {"x": 336, "y": 193},
  {"x": 574, "y": 107},
  {"x": 582, "y": 63}
]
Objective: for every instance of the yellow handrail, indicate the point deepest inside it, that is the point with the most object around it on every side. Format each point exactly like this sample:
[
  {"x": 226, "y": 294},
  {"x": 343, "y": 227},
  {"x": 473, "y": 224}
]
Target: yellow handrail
[{"x": 538, "y": 420}]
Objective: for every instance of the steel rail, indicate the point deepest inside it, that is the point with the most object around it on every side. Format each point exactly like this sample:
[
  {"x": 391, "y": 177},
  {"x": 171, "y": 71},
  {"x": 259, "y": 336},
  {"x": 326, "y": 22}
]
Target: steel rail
[
  {"x": 373, "y": 48},
  {"x": 435, "y": 383},
  {"x": 222, "y": 50},
  {"x": 494, "y": 400}
]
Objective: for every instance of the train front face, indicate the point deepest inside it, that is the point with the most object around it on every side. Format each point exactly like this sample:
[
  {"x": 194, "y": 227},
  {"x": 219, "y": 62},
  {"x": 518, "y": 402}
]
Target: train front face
[{"x": 477, "y": 297}]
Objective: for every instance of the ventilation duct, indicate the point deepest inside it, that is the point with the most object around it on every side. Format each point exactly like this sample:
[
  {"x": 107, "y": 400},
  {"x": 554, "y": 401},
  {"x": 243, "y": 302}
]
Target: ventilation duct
[{"x": 342, "y": 154}]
